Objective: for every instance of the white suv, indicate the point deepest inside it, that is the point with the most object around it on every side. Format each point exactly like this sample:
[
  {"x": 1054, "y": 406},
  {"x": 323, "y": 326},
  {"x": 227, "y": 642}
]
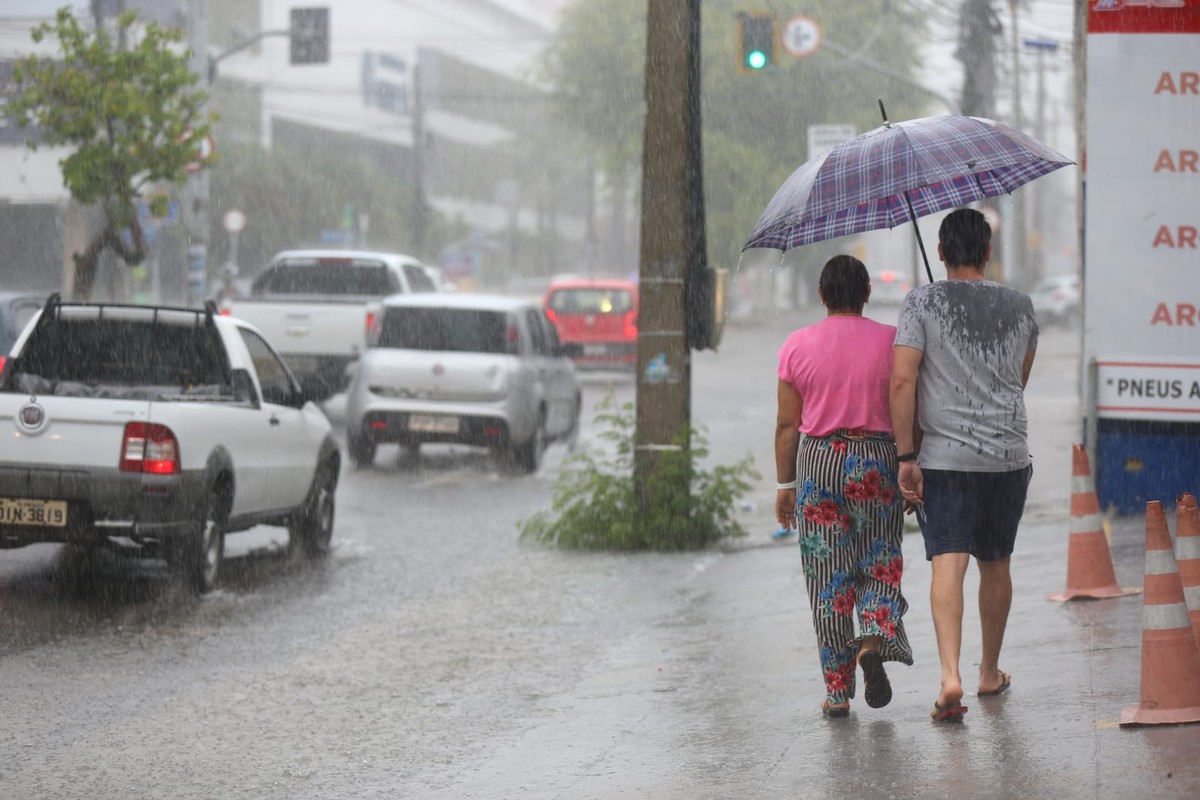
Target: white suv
[{"x": 475, "y": 369}]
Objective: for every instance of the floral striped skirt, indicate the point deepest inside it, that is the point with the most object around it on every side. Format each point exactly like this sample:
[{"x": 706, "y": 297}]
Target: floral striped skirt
[{"x": 851, "y": 519}]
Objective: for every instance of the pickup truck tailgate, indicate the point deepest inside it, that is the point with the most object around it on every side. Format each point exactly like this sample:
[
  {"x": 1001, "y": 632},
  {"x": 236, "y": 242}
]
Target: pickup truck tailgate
[
  {"x": 294, "y": 328},
  {"x": 83, "y": 432}
]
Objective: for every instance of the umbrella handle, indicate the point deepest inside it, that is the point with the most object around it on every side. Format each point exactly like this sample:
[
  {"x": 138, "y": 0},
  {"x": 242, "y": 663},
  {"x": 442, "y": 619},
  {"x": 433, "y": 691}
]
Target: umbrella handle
[
  {"x": 881, "y": 111},
  {"x": 920, "y": 242}
]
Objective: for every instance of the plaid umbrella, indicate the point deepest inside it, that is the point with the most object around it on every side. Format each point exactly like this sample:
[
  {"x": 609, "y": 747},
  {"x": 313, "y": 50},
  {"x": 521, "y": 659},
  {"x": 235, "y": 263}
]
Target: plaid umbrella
[{"x": 897, "y": 173}]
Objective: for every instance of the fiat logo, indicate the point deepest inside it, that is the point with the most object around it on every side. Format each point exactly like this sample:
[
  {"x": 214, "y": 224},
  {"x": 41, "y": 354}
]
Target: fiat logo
[
  {"x": 438, "y": 369},
  {"x": 31, "y": 417}
]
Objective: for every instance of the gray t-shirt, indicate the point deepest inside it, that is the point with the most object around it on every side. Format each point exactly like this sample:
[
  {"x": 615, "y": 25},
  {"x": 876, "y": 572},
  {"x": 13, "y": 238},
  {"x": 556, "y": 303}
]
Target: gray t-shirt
[{"x": 970, "y": 402}]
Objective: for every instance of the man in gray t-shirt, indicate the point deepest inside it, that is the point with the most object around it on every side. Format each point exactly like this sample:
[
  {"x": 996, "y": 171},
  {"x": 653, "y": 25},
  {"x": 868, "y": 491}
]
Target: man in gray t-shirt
[{"x": 964, "y": 350}]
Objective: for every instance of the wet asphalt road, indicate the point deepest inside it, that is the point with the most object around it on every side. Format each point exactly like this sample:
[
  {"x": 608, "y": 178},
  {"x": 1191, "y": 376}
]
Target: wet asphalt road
[{"x": 435, "y": 655}]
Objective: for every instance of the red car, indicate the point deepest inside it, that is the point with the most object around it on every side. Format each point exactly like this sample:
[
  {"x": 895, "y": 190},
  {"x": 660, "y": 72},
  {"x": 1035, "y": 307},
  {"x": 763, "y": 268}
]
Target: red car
[{"x": 596, "y": 319}]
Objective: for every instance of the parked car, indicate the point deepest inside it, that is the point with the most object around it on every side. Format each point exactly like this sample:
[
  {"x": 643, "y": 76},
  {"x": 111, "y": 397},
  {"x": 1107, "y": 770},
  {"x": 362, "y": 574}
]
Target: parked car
[
  {"x": 596, "y": 319},
  {"x": 16, "y": 309},
  {"x": 1056, "y": 300},
  {"x": 157, "y": 431},
  {"x": 474, "y": 369},
  {"x": 317, "y": 307},
  {"x": 889, "y": 287}
]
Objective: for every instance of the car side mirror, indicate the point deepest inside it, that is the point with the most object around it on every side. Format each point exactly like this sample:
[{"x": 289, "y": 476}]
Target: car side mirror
[{"x": 243, "y": 388}]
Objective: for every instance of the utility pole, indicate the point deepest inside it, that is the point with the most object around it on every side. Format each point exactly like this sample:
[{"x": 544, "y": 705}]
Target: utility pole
[
  {"x": 1016, "y": 275},
  {"x": 195, "y": 190},
  {"x": 1041, "y": 48},
  {"x": 418, "y": 151},
  {"x": 672, "y": 242},
  {"x": 979, "y": 31}
]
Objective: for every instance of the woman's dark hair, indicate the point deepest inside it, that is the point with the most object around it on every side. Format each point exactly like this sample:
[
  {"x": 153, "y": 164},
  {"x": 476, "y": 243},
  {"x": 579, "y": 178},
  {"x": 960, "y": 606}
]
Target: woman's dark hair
[
  {"x": 964, "y": 236},
  {"x": 845, "y": 284}
]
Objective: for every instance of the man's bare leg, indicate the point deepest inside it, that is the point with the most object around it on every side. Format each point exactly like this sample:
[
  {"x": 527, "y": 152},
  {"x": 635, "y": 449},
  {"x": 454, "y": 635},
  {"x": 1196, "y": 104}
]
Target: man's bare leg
[
  {"x": 946, "y": 602},
  {"x": 995, "y": 599}
]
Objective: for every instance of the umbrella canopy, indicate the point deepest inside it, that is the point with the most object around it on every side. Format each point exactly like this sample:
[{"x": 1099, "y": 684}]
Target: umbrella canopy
[{"x": 897, "y": 173}]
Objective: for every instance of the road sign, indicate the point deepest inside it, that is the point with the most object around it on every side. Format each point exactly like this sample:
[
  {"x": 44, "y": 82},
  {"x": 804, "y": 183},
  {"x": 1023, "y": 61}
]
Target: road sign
[
  {"x": 801, "y": 36},
  {"x": 234, "y": 221},
  {"x": 822, "y": 138},
  {"x": 204, "y": 151}
]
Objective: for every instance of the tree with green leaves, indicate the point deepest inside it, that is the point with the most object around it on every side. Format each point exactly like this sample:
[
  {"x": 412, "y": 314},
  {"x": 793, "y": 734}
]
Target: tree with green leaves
[
  {"x": 131, "y": 113},
  {"x": 754, "y": 124}
]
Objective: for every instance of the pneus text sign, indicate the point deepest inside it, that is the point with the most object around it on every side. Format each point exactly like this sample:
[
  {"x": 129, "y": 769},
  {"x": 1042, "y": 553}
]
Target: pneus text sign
[{"x": 1140, "y": 389}]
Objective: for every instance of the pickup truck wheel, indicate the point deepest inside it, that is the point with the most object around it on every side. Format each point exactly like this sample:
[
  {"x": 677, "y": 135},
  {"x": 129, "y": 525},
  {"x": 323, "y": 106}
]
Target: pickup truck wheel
[
  {"x": 199, "y": 555},
  {"x": 312, "y": 527},
  {"x": 362, "y": 451}
]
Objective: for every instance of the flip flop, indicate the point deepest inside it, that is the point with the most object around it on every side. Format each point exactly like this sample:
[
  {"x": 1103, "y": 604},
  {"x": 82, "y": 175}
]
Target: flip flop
[
  {"x": 834, "y": 711},
  {"x": 1005, "y": 683},
  {"x": 879, "y": 688},
  {"x": 948, "y": 713}
]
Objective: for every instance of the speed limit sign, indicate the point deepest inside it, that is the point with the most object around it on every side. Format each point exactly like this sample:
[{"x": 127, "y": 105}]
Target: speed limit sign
[{"x": 801, "y": 36}]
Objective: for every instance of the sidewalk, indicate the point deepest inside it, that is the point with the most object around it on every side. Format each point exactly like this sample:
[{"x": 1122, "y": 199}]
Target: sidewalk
[{"x": 1074, "y": 666}]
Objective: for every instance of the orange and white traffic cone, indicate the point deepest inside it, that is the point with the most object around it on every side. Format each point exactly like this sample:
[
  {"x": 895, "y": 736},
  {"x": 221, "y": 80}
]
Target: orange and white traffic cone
[
  {"x": 1089, "y": 563},
  {"x": 1170, "y": 691},
  {"x": 1187, "y": 556}
]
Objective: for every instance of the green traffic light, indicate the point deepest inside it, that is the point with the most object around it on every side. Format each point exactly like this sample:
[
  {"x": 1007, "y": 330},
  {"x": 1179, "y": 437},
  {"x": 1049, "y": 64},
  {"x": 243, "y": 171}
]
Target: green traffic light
[{"x": 756, "y": 59}]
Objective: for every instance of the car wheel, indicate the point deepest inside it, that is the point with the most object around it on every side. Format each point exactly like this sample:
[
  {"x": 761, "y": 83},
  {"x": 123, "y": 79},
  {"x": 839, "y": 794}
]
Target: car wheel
[
  {"x": 311, "y": 528},
  {"x": 198, "y": 556},
  {"x": 362, "y": 451},
  {"x": 528, "y": 457},
  {"x": 573, "y": 432}
]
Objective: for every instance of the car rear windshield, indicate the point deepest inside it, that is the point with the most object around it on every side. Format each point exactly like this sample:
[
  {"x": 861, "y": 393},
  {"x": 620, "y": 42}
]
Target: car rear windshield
[
  {"x": 327, "y": 278},
  {"x": 459, "y": 330},
  {"x": 122, "y": 358},
  {"x": 591, "y": 301}
]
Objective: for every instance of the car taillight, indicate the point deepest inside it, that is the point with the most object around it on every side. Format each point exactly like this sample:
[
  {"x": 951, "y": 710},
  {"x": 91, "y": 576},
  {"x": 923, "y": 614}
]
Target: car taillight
[
  {"x": 374, "y": 325},
  {"x": 225, "y": 312},
  {"x": 512, "y": 339},
  {"x": 149, "y": 447},
  {"x": 631, "y": 324},
  {"x": 2, "y": 360},
  {"x": 551, "y": 315}
]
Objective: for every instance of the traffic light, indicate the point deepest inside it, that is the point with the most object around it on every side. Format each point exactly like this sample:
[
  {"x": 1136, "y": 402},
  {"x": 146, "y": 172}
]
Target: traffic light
[
  {"x": 756, "y": 42},
  {"x": 310, "y": 36}
]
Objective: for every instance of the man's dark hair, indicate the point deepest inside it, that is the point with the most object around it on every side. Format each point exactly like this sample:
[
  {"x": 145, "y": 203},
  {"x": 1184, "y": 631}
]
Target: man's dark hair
[
  {"x": 845, "y": 284},
  {"x": 964, "y": 236}
]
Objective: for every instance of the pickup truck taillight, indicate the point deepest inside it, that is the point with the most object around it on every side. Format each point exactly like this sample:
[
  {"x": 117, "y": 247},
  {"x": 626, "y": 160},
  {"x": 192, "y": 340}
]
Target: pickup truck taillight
[
  {"x": 149, "y": 447},
  {"x": 2, "y": 360}
]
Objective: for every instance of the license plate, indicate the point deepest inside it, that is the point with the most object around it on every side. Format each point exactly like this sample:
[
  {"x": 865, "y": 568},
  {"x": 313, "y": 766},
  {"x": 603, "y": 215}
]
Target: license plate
[
  {"x": 595, "y": 350},
  {"x": 423, "y": 423},
  {"x": 50, "y": 513}
]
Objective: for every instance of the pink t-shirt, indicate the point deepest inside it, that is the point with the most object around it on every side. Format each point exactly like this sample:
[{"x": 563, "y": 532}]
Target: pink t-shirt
[{"x": 840, "y": 367}]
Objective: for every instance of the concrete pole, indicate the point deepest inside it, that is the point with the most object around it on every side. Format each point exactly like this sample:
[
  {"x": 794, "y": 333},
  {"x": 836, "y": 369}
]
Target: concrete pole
[
  {"x": 1036, "y": 271},
  {"x": 195, "y": 189},
  {"x": 420, "y": 220},
  {"x": 1017, "y": 268},
  {"x": 671, "y": 189}
]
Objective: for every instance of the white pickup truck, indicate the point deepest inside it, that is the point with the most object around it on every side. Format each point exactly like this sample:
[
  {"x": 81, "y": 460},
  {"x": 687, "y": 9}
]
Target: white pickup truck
[
  {"x": 156, "y": 431},
  {"x": 317, "y": 307}
]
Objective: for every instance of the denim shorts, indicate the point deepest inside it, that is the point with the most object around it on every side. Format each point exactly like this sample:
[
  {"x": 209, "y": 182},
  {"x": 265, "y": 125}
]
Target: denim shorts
[{"x": 972, "y": 512}]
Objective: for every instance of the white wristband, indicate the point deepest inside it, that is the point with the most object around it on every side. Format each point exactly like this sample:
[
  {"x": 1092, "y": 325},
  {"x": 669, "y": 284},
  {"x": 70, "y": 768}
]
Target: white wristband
[{"x": 788, "y": 485}]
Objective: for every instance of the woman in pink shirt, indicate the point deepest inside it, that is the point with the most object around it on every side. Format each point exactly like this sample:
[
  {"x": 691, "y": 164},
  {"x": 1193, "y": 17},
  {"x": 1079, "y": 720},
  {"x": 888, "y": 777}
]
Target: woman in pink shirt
[{"x": 839, "y": 488}]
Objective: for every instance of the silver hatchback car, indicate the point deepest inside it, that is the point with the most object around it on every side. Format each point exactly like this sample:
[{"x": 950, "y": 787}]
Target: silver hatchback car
[{"x": 475, "y": 369}]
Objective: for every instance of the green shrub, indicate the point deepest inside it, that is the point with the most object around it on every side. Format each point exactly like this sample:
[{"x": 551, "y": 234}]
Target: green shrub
[{"x": 595, "y": 504}]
